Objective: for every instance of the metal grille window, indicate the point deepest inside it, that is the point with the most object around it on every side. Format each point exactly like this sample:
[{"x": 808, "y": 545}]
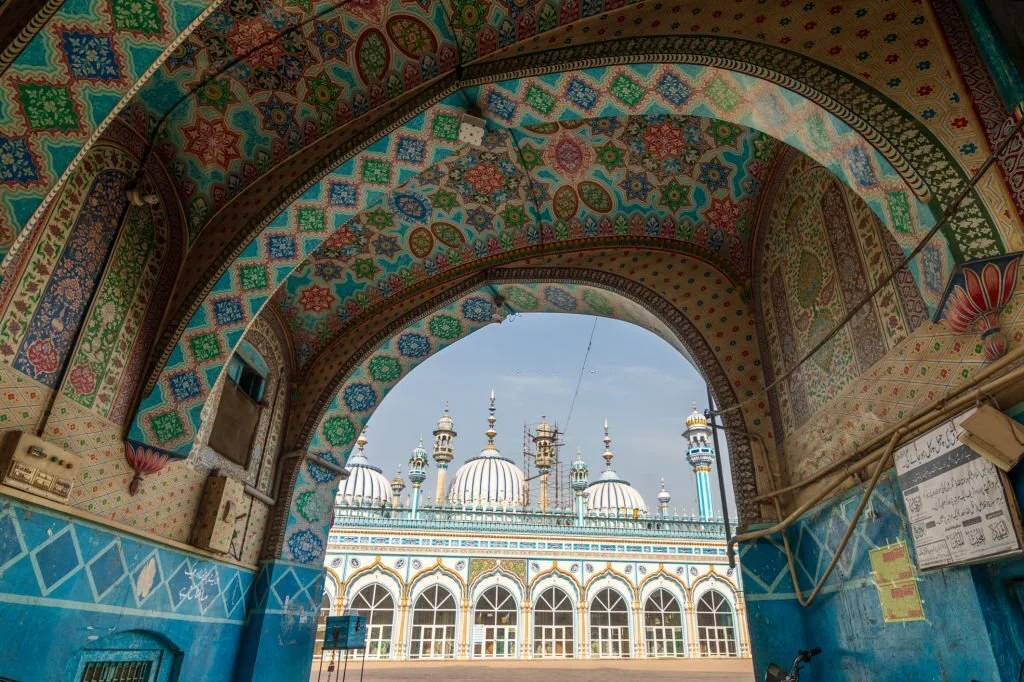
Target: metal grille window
[
  {"x": 117, "y": 671},
  {"x": 433, "y": 625},
  {"x": 495, "y": 620},
  {"x": 377, "y": 604},
  {"x": 553, "y": 625},
  {"x": 715, "y": 625},
  {"x": 663, "y": 624},
  {"x": 609, "y": 625}
]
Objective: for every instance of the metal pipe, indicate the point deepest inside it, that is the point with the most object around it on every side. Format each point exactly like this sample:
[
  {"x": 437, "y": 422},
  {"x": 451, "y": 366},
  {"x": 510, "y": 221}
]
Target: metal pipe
[
  {"x": 718, "y": 465},
  {"x": 939, "y": 405},
  {"x": 911, "y": 424},
  {"x": 882, "y": 461}
]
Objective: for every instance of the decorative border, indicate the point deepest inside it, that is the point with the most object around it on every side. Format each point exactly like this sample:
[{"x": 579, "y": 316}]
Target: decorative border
[
  {"x": 741, "y": 455},
  {"x": 831, "y": 87}
]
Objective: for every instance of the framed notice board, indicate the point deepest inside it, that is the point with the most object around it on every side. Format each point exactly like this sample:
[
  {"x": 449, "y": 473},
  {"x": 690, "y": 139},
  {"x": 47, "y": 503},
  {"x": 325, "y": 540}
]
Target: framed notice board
[
  {"x": 960, "y": 506},
  {"x": 345, "y": 632}
]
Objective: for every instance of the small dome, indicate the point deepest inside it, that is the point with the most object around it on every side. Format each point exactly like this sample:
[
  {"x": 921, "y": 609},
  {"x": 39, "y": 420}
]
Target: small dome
[
  {"x": 696, "y": 418},
  {"x": 366, "y": 486},
  {"x": 488, "y": 481},
  {"x": 445, "y": 423},
  {"x": 398, "y": 483},
  {"x": 579, "y": 473},
  {"x": 664, "y": 496},
  {"x": 610, "y": 495}
]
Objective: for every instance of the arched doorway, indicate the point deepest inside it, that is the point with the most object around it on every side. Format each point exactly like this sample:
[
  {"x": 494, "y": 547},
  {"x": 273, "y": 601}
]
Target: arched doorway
[
  {"x": 378, "y": 606},
  {"x": 433, "y": 624},
  {"x": 553, "y": 631},
  {"x": 609, "y": 625},
  {"x": 663, "y": 626},
  {"x": 716, "y": 625},
  {"x": 495, "y": 624}
]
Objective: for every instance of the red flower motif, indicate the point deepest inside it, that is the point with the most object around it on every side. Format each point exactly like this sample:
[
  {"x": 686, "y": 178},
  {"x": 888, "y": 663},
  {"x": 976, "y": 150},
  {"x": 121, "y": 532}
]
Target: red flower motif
[
  {"x": 43, "y": 356},
  {"x": 959, "y": 122},
  {"x": 485, "y": 178},
  {"x": 316, "y": 298},
  {"x": 212, "y": 142},
  {"x": 664, "y": 140},
  {"x": 82, "y": 379}
]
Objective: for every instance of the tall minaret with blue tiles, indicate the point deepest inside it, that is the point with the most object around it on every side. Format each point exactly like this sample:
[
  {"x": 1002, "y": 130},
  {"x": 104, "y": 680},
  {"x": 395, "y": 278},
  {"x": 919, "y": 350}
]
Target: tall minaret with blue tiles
[{"x": 701, "y": 455}]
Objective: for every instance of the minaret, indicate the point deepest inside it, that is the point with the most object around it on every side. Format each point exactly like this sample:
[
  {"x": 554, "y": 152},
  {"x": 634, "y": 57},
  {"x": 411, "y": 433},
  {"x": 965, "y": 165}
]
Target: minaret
[
  {"x": 664, "y": 497},
  {"x": 700, "y": 455},
  {"x": 544, "y": 457},
  {"x": 578, "y": 478},
  {"x": 417, "y": 474},
  {"x": 444, "y": 450},
  {"x": 397, "y": 486}
]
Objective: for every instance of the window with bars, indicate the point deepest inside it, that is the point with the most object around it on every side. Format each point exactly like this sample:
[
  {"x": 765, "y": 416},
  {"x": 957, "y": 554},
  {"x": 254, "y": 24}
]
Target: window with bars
[{"x": 117, "y": 671}]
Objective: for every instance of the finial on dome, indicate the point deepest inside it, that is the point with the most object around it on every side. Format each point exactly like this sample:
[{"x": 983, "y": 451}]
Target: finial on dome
[
  {"x": 361, "y": 441},
  {"x": 607, "y": 440},
  {"x": 491, "y": 419}
]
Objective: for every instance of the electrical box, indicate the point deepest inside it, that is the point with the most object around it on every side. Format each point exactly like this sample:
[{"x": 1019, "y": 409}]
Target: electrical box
[
  {"x": 220, "y": 509},
  {"x": 34, "y": 465}
]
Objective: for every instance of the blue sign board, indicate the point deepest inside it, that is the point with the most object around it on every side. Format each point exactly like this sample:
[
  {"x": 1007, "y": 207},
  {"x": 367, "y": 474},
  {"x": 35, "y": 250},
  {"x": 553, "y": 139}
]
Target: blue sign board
[{"x": 345, "y": 632}]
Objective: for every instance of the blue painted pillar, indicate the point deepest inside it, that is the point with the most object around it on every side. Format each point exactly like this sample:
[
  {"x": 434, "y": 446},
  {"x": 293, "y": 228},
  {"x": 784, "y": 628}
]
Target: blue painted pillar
[{"x": 277, "y": 643}]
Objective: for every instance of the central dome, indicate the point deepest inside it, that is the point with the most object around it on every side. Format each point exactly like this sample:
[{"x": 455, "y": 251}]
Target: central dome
[
  {"x": 488, "y": 481},
  {"x": 610, "y": 495}
]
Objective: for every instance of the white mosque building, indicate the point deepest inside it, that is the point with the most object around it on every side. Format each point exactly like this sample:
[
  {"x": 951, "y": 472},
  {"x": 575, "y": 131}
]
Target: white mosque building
[{"x": 486, "y": 575}]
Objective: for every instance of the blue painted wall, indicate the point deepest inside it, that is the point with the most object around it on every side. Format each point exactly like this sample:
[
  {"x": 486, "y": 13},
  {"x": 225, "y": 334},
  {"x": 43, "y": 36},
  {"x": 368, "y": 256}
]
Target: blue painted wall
[
  {"x": 975, "y": 620},
  {"x": 66, "y": 585}
]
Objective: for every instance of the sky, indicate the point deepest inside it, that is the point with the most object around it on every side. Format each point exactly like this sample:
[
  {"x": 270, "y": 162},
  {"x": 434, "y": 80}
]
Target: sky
[{"x": 635, "y": 379}]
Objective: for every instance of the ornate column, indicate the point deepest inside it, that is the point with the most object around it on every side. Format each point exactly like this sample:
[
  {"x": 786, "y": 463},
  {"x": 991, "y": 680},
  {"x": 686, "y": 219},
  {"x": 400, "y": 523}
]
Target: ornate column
[
  {"x": 741, "y": 616},
  {"x": 692, "y": 642},
  {"x": 462, "y": 652},
  {"x": 583, "y": 631},
  {"x": 526, "y": 631},
  {"x": 403, "y": 618},
  {"x": 638, "y": 651}
]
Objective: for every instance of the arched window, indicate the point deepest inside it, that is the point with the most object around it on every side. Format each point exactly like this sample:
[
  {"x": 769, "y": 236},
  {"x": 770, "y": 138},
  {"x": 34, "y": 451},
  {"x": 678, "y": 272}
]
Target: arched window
[
  {"x": 553, "y": 625},
  {"x": 377, "y": 604},
  {"x": 716, "y": 630},
  {"x": 321, "y": 622},
  {"x": 433, "y": 624},
  {"x": 609, "y": 625},
  {"x": 663, "y": 626},
  {"x": 494, "y": 624}
]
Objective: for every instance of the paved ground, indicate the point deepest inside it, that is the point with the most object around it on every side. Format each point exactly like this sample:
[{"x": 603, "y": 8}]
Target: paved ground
[{"x": 543, "y": 671}]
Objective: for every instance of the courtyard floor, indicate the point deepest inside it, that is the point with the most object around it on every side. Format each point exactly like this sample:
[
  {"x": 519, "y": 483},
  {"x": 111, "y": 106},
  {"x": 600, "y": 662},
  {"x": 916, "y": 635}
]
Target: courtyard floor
[{"x": 541, "y": 671}]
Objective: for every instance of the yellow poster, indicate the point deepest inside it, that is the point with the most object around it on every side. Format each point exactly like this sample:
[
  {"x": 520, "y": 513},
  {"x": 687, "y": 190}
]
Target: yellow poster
[{"x": 897, "y": 587}]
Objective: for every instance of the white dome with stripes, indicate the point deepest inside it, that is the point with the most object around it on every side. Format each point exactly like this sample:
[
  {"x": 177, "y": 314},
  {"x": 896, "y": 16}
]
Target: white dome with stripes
[
  {"x": 488, "y": 481},
  {"x": 366, "y": 485},
  {"x": 610, "y": 495}
]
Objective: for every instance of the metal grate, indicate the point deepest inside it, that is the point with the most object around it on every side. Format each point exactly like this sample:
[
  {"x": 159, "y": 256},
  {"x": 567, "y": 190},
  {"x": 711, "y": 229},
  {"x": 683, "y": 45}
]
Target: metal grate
[{"x": 117, "y": 671}]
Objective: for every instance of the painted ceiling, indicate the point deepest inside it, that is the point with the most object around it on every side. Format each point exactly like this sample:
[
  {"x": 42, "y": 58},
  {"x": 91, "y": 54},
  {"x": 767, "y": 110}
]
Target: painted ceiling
[
  {"x": 683, "y": 178},
  {"x": 340, "y": 65}
]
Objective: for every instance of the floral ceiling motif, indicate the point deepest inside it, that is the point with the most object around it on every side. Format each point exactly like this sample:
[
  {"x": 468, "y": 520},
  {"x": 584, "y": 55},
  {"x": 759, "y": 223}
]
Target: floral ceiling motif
[{"x": 683, "y": 178}]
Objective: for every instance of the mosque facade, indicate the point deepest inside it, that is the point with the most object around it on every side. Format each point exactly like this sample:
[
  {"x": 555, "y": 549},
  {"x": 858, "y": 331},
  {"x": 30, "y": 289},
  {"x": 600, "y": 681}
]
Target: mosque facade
[{"x": 479, "y": 572}]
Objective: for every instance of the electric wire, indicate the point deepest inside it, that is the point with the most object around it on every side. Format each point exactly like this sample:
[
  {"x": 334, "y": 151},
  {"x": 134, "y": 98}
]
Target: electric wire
[
  {"x": 228, "y": 65},
  {"x": 939, "y": 224},
  {"x": 579, "y": 380}
]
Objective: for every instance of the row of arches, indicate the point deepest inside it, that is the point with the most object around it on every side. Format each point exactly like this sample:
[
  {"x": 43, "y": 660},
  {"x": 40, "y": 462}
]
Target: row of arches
[{"x": 497, "y": 623}]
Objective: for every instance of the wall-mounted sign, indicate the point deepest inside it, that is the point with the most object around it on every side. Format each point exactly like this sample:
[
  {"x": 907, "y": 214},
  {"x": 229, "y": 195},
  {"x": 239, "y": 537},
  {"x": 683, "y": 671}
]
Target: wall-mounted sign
[
  {"x": 960, "y": 506},
  {"x": 345, "y": 632},
  {"x": 897, "y": 586}
]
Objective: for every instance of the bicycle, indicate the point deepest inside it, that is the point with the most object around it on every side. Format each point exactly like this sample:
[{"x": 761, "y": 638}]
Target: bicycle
[{"x": 777, "y": 674}]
